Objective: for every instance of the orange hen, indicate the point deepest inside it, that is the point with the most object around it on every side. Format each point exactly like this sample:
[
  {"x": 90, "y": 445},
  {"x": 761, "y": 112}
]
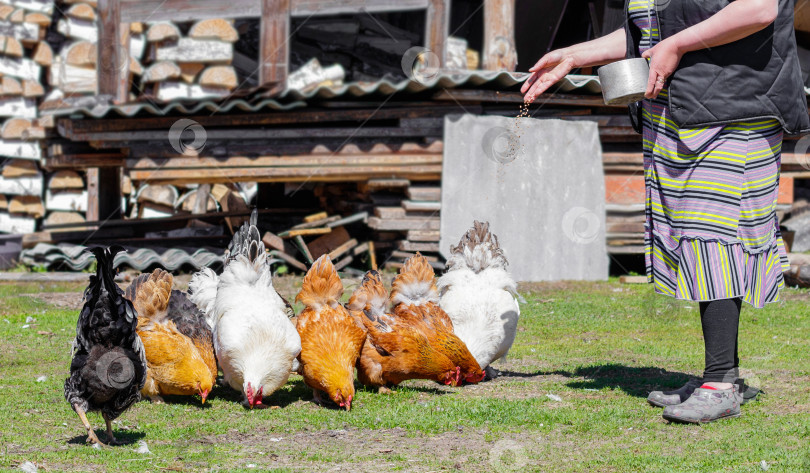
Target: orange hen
[
  {"x": 330, "y": 338},
  {"x": 397, "y": 348},
  {"x": 414, "y": 294},
  {"x": 175, "y": 364}
]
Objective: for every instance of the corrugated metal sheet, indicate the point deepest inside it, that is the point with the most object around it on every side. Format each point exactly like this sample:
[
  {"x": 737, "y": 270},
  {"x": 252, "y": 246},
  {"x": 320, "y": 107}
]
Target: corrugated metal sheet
[
  {"x": 292, "y": 99},
  {"x": 443, "y": 80},
  {"x": 99, "y": 110},
  {"x": 74, "y": 257}
]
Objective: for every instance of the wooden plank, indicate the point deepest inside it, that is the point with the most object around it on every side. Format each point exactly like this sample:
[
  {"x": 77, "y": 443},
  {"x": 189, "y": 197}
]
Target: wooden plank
[
  {"x": 274, "y": 42},
  {"x": 418, "y": 206},
  {"x": 406, "y": 245},
  {"x": 430, "y": 223},
  {"x": 407, "y": 255},
  {"x": 304, "y": 232},
  {"x": 317, "y": 116},
  {"x": 425, "y": 193},
  {"x": 327, "y": 243},
  {"x": 372, "y": 255},
  {"x": 343, "y": 263},
  {"x": 340, "y": 250},
  {"x": 360, "y": 216},
  {"x": 380, "y": 184},
  {"x": 302, "y": 247},
  {"x": 389, "y": 212},
  {"x": 189, "y": 10},
  {"x": 280, "y": 161},
  {"x": 118, "y": 139},
  {"x": 423, "y": 235},
  {"x": 315, "y": 217},
  {"x": 633, "y": 279},
  {"x": 472, "y": 95},
  {"x": 320, "y": 174},
  {"x": 271, "y": 240},
  {"x": 317, "y": 223},
  {"x": 290, "y": 260}
]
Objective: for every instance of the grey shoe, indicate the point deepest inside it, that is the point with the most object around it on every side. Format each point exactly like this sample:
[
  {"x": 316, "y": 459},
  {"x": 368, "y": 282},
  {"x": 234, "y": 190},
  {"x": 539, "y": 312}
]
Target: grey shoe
[
  {"x": 706, "y": 405},
  {"x": 675, "y": 397}
]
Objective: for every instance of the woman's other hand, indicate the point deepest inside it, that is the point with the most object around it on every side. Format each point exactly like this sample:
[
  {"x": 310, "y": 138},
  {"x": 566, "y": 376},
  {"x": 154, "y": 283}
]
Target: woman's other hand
[
  {"x": 549, "y": 70},
  {"x": 664, "y": 58}
]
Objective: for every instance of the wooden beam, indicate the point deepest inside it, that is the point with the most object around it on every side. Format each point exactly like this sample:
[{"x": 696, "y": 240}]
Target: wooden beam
[
  {"x": 133, "y": 11},
  {"x": 319, "y": 174},
  {"x": 274, "y": 42},
  {"x": 436, "y": 28},
  {"x": 499, "y": 35},
  {"x": 112, "y": 68}
]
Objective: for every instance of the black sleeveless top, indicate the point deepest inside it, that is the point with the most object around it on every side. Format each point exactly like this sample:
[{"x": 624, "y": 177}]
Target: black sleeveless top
[{"x": 755, "y": 77}]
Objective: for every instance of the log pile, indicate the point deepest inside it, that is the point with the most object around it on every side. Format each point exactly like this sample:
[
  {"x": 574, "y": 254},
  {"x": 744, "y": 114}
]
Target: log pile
[
  {"x": 191, "y": 65},
  {"x": 24, "y": 54}
]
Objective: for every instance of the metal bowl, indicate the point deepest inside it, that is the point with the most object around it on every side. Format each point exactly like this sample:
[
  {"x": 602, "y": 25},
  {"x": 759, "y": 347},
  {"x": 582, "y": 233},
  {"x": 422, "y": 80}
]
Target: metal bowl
[{"x": 624, "y": 82}]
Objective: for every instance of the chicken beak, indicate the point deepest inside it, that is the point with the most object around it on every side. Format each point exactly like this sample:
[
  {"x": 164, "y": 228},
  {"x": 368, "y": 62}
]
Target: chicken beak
[{"x": 204, "y": 395}]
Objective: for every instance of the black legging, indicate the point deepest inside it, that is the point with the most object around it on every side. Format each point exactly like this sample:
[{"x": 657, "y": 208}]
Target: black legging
[{"x": 721, "y": 321}]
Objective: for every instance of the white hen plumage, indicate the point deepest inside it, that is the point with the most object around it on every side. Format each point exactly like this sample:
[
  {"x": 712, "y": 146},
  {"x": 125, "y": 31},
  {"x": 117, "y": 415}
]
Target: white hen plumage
[
  {"x": 255, "y": 342},
  {"x": 478, "y": 294}
]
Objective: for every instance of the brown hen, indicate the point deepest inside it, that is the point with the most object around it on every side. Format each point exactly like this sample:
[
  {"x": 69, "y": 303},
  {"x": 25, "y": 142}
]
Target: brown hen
[
  {"x": 330, "y": 338},
  {"x": 397, "y": 348},
  {"x": 414, "y": 294},
  {"x": 176, "y": 364}
]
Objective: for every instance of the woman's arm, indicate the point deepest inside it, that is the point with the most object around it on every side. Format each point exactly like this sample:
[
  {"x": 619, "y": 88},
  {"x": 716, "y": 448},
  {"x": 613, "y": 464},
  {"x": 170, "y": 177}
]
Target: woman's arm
[
  {"x": 558, "y": 63},
  {"x": 739, "y": 19}
]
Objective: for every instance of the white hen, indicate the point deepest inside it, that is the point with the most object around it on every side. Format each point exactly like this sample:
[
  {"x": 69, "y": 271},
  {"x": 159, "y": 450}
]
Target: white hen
[
  {"x": 479, "y": 296},
  {"x": 255, "y": 342}
]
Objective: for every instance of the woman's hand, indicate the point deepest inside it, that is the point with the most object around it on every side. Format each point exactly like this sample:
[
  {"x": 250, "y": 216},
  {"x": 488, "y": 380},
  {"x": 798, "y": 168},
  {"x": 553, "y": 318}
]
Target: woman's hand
[
  {"x": 664, "y": 58},
  {"x": 549, "y": 70}
]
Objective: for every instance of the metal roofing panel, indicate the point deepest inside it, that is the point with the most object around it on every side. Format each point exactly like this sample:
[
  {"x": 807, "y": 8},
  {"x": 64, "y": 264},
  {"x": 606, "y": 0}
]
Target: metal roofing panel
[{"x": 292, "y": 98}]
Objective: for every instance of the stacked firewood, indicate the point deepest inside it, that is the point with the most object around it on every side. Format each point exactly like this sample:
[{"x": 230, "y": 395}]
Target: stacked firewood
[
  {"x": 23, "y": 54},
  {"x": 193, "y": 65},
  {"x": 320, "y": 234}
]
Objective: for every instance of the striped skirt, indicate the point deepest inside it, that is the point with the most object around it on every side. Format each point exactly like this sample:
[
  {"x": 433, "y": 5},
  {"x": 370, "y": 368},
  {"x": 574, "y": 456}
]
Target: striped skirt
[{"x": 711, "y": 230}]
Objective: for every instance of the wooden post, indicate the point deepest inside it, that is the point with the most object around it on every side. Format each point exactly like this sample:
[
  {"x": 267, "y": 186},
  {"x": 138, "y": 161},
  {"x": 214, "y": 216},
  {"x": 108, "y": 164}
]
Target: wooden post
[
  {"x": 437, "y": 25},
  {"x": 92, "y": 195},
  {"x": 103, "y": 193},
  {"x": 499, "y": 35},
  {"x": 112, "y": 64},
  {"x": 274, "y": 47}
]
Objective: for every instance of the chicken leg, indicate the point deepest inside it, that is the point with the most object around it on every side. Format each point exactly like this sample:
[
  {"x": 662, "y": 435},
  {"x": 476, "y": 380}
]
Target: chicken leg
[
  {"x": 91, "y": 435},
  {"x": 110, "y": 437}
]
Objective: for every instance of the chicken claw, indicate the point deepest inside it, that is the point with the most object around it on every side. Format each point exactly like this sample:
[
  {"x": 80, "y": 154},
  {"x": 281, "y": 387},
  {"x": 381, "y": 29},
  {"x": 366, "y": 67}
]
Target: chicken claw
[
  {"x": 385, "y": 390},
  {"x": 111, "y": 440},
  {"x": 91, "y": 435}
]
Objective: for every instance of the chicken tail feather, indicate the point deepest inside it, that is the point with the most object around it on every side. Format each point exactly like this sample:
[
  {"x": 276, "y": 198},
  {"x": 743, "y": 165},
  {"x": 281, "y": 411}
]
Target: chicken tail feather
[
  {"x": 247, "y": 241},
  {"x": 477, "y": 250},
  {"x": 150, "y": 293},
  {"x": 415, "y": 283},
  {"x": 321, "y": 285},
  {"x": 370, "y": 298}
]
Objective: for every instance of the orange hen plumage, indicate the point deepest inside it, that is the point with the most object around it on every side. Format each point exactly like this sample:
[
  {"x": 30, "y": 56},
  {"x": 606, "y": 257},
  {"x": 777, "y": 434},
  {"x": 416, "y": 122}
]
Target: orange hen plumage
[
  {"x": 398, "y": 347},
  {"x": 176, "y": 363},
  {"x": 330, "y": 338},
  {"x": 414, "y": 294}
]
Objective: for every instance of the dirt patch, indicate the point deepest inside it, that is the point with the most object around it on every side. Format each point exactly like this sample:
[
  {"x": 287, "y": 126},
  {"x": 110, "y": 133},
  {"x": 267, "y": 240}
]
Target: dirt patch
[{"x": 62, "y": 300}]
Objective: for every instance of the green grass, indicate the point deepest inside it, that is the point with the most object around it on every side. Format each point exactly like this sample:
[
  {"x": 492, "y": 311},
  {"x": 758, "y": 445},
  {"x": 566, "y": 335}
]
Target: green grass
[{"x": 599, "y": 346}]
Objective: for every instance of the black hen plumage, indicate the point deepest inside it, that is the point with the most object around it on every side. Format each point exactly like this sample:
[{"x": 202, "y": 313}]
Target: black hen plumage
[
  {"x": 108, "y": 368},
  {"x": 247, "y": 240}
]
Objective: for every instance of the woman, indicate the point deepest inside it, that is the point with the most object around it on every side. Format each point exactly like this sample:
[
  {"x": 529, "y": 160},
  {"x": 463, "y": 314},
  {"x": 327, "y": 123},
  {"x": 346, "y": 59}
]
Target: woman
[{"x": 724, "y": 85}]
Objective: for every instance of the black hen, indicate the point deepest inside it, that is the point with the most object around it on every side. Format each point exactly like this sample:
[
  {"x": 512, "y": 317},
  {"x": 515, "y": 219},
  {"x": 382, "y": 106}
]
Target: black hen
[{"x": 108, "y": 368}]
